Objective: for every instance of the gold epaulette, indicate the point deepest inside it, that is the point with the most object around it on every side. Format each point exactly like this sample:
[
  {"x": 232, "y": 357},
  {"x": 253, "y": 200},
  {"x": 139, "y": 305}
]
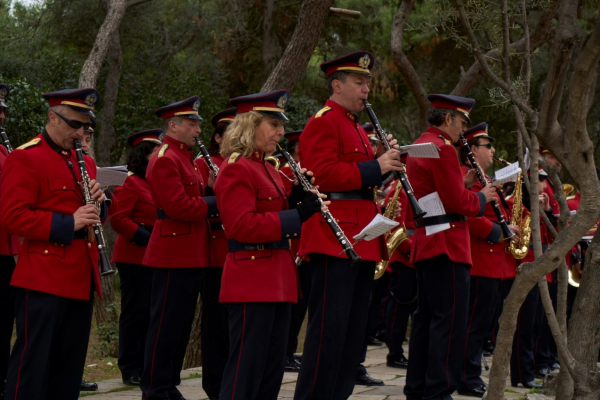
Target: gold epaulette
[
  {"x": 322, "y": 111},
  {"x": 446, "y": 141},
  {"x": 233, "y": 157},
  {"x": 162, "y": 150},
  {"x": 130, "y": 173},
  {"x": 571, "y": 197},
  {"x": 31, "y": 143}
]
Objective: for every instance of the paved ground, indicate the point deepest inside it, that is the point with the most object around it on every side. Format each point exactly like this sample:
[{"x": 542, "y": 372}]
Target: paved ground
[{"x": 191, "y": 385}]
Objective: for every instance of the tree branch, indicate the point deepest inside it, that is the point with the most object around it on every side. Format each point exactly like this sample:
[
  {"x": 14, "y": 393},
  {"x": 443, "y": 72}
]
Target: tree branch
[
  {"x": 403, "y": 64},
  {"x": 132, "y": 3}
]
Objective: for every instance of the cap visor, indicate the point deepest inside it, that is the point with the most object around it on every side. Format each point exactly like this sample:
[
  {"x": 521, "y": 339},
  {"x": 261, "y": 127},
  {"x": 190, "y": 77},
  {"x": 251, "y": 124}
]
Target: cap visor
[
  {"x": 83, "y": 111},
  {"x": 3, "y": 104},
  {"x": 275, "y": 114},
  {"x": 195, "y": 117},
  {"x": 466, "y": 116}
]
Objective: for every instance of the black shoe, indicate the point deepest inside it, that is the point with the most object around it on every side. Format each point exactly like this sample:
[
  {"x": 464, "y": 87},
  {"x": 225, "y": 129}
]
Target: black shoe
[
  {"x": 541, "y": 373},
  {"x": 292, "y": 366},
  {"x": 474, "y": 392},
  {"x": 298, "y": 358},
  {"x": 371, "y": 341},
  {"x": 488, "y": 348},
  {"x": 366, "y": 380},
  {"x": 88, "y": 386},
  {"x": 400, "y": 363},
  {"x": 528, "y": 385},
  {"x": 132, "y": 380},
  {"x": 554, "y": 367}
]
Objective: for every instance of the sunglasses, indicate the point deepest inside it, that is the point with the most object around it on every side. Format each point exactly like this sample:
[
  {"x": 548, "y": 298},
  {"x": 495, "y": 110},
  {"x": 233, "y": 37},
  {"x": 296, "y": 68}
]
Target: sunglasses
[
  {"x": 74, "y": 123},
  {"x": 488, "y": 145}
]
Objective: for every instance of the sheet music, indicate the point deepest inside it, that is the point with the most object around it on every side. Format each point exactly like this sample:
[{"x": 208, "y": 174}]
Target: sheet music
[
  {"x": 377, "y": 227},
  {"x": 432, "y": 205},
  {"x": 422, "y": 150},
  {"x": 506, "y": 174},
  {"x": 109, "y": 176}
]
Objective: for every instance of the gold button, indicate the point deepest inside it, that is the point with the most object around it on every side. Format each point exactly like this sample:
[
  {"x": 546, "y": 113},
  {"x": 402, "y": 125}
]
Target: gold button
[
  {"x": 270, "y": 198},
  {"x": 491, "y": 250},
  {"x": 89, "y": 245},
  {"x": 191, "y": 183},
  {"x": 288, "y": 235},
  {"x": 64, "y": 188},
  {"x": 214, "y": 237},
  {"x": 295, "y": 234},
  {"x": 337, "y": 220},
  {"x": 196, "y": 168},
  {"x": 355, "y": 149},
  {"x": 453, "y": 226},
  {"x": 174, "y": 234},
  {"x": 253, "y": 258},
  {"x": 181, "y": 146},
  {"x": 45, "y": 251}
]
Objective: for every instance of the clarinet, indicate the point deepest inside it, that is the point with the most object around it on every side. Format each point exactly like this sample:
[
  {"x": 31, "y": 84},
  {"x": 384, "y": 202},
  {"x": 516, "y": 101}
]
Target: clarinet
[
  {"x": 105, "y": 268},
  {"x": 211, "y": 165},
  {"x": 483, "y": 181},
  {"x": 414, "y": 204},
  {"x": 339, "y": 234},
  {"x": 5, "y": 139}
]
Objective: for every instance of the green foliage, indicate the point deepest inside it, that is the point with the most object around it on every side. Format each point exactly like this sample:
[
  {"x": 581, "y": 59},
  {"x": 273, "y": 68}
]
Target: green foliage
[{"x": 108, "y": 333}]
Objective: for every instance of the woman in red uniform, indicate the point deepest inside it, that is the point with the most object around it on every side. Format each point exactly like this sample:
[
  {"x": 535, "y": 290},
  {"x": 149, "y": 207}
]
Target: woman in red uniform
[
  {"x": 214, "y": 338},
  {"x": 259, "y": 276},
  {"x": 133, "y": 219}
]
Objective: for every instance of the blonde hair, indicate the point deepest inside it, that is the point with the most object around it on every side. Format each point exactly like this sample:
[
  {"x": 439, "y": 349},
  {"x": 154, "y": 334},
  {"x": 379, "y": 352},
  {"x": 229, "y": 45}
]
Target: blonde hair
[{"x": 239, "y": 136}]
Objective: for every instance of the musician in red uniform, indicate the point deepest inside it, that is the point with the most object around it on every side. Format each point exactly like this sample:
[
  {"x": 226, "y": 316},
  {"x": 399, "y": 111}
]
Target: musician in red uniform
[
  {"x": 9, "y": 248},
  {"x": 57, "y": 268},
  {"x": 259, "y": 277},
  {"x": 402, "y": 300},
  {"x": 335, "y": 147},
  {"x": 214, "y": 340},
  {"x": 490, "y": 263},
  {"x": 177, "y": 250},
  {"x": 442, "y": 259},
  {"x": 133, "y": 219}
]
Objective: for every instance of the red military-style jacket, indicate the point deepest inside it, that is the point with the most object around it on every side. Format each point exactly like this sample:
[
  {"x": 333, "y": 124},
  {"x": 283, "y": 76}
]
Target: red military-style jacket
[
  {"x": 443, "y": 175},
  {"x": 9, "y": 244},
  {"x": 254, "y": 210},
  {"x": 40, "y": 193},
  {"x": 336, "y": 149},
  {"x": 490, "y": 256},
  {"x": 180, "y": 235},
  {"x": 132, "y": 217},
  {"x": 554, "y": 206},
  {"x": 217, "y": 239},
  {"x": 402, "y": 253}
]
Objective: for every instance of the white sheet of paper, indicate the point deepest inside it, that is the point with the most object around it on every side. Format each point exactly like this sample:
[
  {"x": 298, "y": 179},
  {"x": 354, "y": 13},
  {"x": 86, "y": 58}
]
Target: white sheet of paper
[
  {"x": 506, "y": 174},
  {"x": 422, "y": 150},
  {"x": 377, "y": 227},
  {"x": 432, "y": 205},
  {"x": 111, "y": 176}
]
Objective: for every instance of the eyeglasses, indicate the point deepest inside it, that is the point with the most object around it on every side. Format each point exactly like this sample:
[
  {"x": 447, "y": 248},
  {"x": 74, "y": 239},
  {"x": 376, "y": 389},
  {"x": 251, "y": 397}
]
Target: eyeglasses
[
  {"x": 488, "y": 145},
  {"x": 74, "y": 123},
  {"x": 464, "y": 122}
]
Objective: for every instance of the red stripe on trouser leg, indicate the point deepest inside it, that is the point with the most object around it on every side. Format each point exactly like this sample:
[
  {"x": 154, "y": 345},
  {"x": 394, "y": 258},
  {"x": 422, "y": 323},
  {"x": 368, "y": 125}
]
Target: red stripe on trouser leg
[{"x": 322, "y": 327}]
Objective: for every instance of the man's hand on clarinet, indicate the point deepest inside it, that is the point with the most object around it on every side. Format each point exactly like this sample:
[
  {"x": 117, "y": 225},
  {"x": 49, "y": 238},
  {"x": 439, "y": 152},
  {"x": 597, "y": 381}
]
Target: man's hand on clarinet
[
  {"x": 393, "y": 143},
  {"x": 490, "y": 193},
  {"x": 390, "y": 161},
  {"x": 86, "y": 215},
  {"x": 96, "y": 191}
]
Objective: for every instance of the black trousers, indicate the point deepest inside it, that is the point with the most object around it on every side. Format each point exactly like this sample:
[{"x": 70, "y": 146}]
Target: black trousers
[
  {"x": 483, "y": 296},
  {"x": 172, "y": 308},
  {"x": 214, "y": 331},
  {"x": 379, "y": 288},
  {"x": 522, "y": 366},
  {"x": 299, "y": 310},
  {"x": 258, "y": 338},
  {"x": 7, "y": 314},
  {"x": 402, "y": 302},
  {"x": 546, "y": 353},
  {"x": 48, "y": 357},
  {"x": 439, "y": 328},
  {"x": 136, "y": 290},
  {"x": 337, "y": 318}
]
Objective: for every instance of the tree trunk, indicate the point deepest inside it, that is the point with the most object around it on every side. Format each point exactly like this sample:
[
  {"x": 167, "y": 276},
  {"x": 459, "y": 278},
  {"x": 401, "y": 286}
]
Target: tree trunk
[
  {"x": 91, "y": 68},
  {"x": 193, "y": 353},
  {"x": 292, "y": 64},
  {"x": 404, "y": 65},
  {"x": 106, "y": 137},
  {"x": 269, "y": 44}
]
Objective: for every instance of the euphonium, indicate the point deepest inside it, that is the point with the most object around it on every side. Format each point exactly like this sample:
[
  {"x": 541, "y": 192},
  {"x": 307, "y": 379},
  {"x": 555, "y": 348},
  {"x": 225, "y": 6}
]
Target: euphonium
[
  {"x": 519, "y": 249},
  {"x": 394, "y": 238}
]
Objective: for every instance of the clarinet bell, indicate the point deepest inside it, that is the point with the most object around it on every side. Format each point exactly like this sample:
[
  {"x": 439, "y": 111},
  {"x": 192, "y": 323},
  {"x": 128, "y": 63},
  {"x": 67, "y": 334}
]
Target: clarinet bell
[
  {"x": 105, "y": 268},
  {"x": 354, "y": 258}
]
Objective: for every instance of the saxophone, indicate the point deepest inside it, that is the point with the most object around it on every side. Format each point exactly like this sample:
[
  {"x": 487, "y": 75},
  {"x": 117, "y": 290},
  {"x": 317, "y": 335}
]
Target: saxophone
[
  {"x": 519, "y": 249},
  {"x": 392, "y": 239}
]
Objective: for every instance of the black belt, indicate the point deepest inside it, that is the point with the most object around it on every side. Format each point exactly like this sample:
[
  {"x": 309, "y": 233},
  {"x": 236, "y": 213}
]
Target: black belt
[
  {"x": 81, "y": 234},
  {"x": 161, "y": 214},
  {"x": 216, "y": 226},
  {"x": 351, "y": 195},
  {"x": 439, "y": 219},
  {"x": 148, "y": 228},
  {"x": 234, "y": 245}
]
